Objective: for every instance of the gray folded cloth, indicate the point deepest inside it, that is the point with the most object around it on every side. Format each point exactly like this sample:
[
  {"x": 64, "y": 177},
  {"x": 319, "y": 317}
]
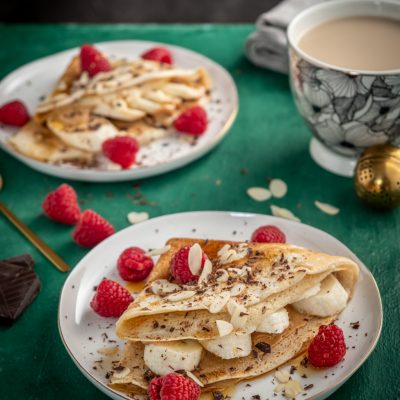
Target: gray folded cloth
[{"x": 267, "y": 46}]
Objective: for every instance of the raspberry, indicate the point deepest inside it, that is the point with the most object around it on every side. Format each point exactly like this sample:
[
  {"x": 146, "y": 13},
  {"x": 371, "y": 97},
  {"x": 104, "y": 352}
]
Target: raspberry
[
  {"x": 121, "y": 150},
  {"x": 91, "y": 229},
  {"x": 134, "y": 265},
  {"x": 14, "y": 113},
  {"x": 328, "y": 347},
  {"x": 92, "y": 61},
  {"x": 268, "y": 234},
  {"x": 192, "y": 121},
  {"x": 173, "y": 387},
  {"x": 160, "y": 54},
  {"x": 111, "y": 299},
  {"x": 180, "y": 266},
  {"x": 61, "y": 205}
]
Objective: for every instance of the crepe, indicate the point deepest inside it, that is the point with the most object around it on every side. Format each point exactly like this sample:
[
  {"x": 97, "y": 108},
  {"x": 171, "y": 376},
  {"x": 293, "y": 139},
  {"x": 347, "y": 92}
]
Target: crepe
[
  {"x": 137, "y": 98},
  {"x": 274, "y": 275}
]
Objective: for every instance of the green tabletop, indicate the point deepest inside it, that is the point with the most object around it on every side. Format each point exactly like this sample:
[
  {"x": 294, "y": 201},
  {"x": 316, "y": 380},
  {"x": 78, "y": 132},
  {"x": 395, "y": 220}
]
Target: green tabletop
[{"x": 267, "y": 140}]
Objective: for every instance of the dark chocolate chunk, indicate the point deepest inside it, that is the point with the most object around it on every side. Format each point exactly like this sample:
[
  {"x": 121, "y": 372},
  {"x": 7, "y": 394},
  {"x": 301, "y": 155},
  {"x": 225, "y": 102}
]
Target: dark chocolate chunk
[
  {"x": 264, "y": 347},
  {"x": 355, "y": 325},
  {"x": 218, "y": 396},
  {"x": 19, "y": 285}
]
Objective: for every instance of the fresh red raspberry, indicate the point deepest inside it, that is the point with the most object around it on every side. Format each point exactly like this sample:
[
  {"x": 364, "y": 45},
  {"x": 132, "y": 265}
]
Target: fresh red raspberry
[
  {"x": 111, "y": 299},
  {"x": 173, "y": 387},
  {"x": 328, "y": 347},
  {"x": 179, "y": 266},
  {"x": 133, "y": 265},
  {"x": 155, "y": 388},
  {"x": 160, "y": 54},
  {"x": 91, "y": 229},
  {"x": 14, "y": 113},
  {"x": 268, "y": 234},
  {"x": 92, "y": 61},
  {"x": 192, "y": 121},
  {"x": 121, "y": 150},
  {"x": 61, "y": 205}
]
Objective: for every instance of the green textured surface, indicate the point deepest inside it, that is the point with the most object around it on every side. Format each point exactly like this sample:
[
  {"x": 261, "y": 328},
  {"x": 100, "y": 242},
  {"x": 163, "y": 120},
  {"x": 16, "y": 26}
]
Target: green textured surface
[{"x": 268, "y": 139}]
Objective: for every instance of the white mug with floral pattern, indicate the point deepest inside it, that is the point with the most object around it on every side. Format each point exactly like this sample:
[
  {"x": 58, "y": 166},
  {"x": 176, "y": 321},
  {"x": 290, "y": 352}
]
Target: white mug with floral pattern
[{"x": 347, "y": 110}]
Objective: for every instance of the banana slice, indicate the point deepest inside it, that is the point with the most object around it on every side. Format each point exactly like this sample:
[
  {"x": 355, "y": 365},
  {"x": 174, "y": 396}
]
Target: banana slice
[
  {"x": 229, "y": 346},
  {"x": 164, "y": 358},
  {"x": 78, "y": 128},
  {"x": 276, "y": 322},
  {"x": 330, "y": 300}
]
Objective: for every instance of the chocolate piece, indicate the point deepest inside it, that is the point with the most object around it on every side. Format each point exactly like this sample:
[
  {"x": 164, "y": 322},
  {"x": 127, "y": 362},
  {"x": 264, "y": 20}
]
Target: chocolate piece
[
  {"x": 264, "y": 347},
  {"x": 19, "y": 285}
]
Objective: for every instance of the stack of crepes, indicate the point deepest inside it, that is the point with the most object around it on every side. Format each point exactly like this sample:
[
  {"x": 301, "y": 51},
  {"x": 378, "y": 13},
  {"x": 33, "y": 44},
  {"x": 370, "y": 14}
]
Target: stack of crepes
[
  {"x": 139, "y": 98},
  {"x": 255, "y": 307}
]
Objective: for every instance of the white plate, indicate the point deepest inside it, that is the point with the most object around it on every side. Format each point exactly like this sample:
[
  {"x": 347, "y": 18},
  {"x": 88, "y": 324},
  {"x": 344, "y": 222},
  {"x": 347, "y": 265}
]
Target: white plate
[
  {"x": 77, "y": 322},
  {"x": 38, "y": 78}
]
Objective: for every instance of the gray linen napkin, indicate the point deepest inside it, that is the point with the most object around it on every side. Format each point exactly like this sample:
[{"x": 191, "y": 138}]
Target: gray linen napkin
[{"x": 267, "y": 46}]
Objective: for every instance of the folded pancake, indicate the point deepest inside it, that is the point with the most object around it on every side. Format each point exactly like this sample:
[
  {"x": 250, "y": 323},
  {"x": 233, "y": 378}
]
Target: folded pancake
[
  {"x": 252, "y": 279},
  {"x": 36, "y": 141},
  {"x": 254, "y": 307}
]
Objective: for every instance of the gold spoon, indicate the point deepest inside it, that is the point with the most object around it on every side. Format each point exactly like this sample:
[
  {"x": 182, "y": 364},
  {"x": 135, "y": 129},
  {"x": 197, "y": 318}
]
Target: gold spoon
[{"x": 56, "y": 260}]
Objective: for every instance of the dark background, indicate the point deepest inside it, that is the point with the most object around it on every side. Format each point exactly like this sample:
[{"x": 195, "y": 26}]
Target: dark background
[{"x": 133, "y": 11}]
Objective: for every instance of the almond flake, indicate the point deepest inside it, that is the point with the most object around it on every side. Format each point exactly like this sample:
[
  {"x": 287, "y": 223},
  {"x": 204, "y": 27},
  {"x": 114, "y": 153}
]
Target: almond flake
[
  {"x": 219, "y": 302},
  {"x": 194, "y": 378},
  {"x": 207, "y": 269},
  {"x": 184, "y": 295},
  {"x": 224, "y": 327},
  {"x": 292, "y": 389},
  {"x": 158, "y": 252},
  {"x": 239, "y": 316},
  {"x": 223, "y": 275},
  {"x": 121, "y": 374},
  {"x": 162, "y": 286},
  {"x": 237, "y": 289},
  {"x": 326, "y": 208},
  {"x": 278, "y": 188},
  {"x": 194, "y": 259},
  {"x": 259, "y": 193},
  {"x": 136, "y": 217},
  {"x": 283, "y": 213},
  {"x": 282, "y": 376},
  {"x": 279, "y": 388},
  {"x": 108, "y": 351}
]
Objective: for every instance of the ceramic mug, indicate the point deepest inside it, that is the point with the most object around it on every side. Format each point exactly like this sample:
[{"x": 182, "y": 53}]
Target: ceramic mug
[{"x": 347, "y": 110}]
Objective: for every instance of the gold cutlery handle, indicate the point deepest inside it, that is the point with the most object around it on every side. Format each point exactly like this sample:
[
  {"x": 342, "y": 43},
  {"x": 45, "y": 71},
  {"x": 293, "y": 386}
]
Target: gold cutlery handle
[{"x": 35, "y": 240}]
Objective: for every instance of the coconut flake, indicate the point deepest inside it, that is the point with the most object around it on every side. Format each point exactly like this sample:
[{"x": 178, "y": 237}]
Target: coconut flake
[
  {"x": 207, "y": 269},
  {"x": 283, "y": 213},
  {"x": 326, "y": 208},
  {"x": 136, "y": 217},
  {"x": 224, "y": 327},
  {"x": 259, "y": 193},
  {"x": 158, "y": 252},
  {"x": 194, "y": 259},
  {"x": 184, "y": 295},
  {"x": 278, "y": 188}
]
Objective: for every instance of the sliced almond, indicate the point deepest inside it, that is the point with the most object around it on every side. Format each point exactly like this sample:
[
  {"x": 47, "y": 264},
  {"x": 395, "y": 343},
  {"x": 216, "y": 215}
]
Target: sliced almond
[
  {"x": 326, "y": 208},
  {"x": 136, "y": 217},
  {"x": 162, "y": 286},
  {"x": 184, "y": 295},
  {"x": 108, "y": 351},
  {"x": 224, "y": 327},
  {"x": 239, "y": 317},
  {"x": 283, "y": 213},
  {"x": 232, "y": 305},
  {"x": 259, "y": 193},
  {"x": 219, "y": 302},
  {"x": 207, "y": 269},
  {"x": 158, "y": 252},
  {"x": 223, "y": 249},
  {"x": 292, "y": 389},
  {"x": 237, "y": 289},
  {"x": 282, "y": 376},
  {"x": 279, "y": 388},
  {"x": 194, "y": 378},
  {"x": 222, "y": 275},
  {"x": 278, "y": 188},
  {"x": 237, "y": 271},
  {"x": 121, "y": 374},
  {"x": 194, "y": 259}
]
